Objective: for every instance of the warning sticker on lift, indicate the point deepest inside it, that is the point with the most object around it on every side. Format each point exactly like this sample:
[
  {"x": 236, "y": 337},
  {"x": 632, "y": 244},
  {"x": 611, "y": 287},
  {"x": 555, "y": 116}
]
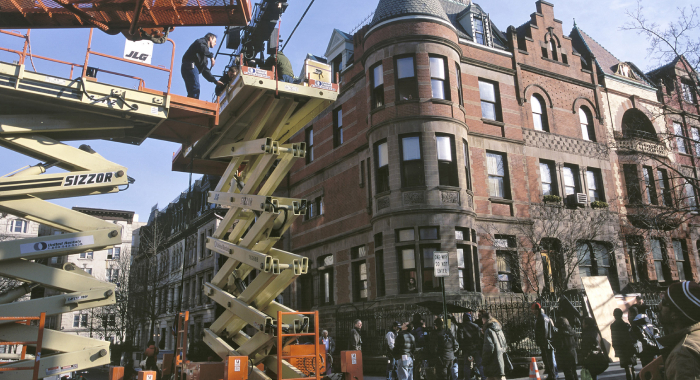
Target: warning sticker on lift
[
  {"x": 237, "y": 365},
  {"x": 252, "y": 71},
  {"x": 54, "y": 370},
  {"x": 313, "y": 83},
  {"x": 54, "y": 245}
]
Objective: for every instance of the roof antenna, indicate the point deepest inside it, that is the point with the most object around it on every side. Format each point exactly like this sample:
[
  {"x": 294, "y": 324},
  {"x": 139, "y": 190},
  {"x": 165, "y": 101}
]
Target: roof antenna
[{"x": 574, "y": 23}]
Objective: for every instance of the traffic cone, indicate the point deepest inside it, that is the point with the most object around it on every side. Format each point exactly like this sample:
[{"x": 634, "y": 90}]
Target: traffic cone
[{"x": 534, "y": 372}]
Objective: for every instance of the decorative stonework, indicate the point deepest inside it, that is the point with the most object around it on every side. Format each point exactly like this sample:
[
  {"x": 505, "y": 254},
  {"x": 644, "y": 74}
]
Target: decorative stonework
[
  {"x": 641, "y": 146},
  {"x": 450, "y": 197},
  {"x": 383, "y": 203},
  {"x": 559, "y": 143},
  {"x": 470, "y": 201},
  {"x": 413, "y": 198}
]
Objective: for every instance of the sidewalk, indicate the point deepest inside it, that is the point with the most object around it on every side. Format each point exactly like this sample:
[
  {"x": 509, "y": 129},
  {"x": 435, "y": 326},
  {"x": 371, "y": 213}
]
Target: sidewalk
[{"x": 614, "y": 372}]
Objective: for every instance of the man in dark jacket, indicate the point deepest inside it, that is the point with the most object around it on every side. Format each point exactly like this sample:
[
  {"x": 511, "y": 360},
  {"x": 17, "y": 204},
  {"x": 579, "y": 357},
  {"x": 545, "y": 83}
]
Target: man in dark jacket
[
  {"x": 623, "y": 343},
  {"x": 355, "y": 342},
  {"x": 404, "y": 348},
  {"x": 443, "y": 346},
  {"x": 544, "y": 333},
  {"x": 471, "y": 341},
  {"x": 494, "y": 346},
  {"x": 644, "y": 333},
  {"x": 194, "y": 62}
]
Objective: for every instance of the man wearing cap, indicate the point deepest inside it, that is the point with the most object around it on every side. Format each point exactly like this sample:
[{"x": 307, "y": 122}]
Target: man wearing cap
[
  {"x": 680, "y": 316},
  {"x": 390, "y": 338},
  {"x": 544, "y": 333}
]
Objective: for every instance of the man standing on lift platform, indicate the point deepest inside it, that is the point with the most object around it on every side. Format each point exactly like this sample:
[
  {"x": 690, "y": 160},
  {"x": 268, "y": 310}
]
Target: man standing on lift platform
[{"x": 194, "y": 62}]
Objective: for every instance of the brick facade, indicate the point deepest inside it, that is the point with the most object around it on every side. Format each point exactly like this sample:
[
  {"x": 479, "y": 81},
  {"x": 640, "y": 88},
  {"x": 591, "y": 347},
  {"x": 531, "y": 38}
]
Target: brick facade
[{"x": 365, "y": 227}]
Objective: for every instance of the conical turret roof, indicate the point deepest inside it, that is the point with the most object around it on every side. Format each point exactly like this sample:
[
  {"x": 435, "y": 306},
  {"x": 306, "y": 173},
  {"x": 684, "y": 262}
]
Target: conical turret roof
[{"x": 388, "y": 9}]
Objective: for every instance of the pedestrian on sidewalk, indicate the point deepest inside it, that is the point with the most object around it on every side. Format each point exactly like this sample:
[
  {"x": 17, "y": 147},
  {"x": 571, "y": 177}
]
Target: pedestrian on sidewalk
[
  {"x": 494, "y": 346},
  {"x": 443, "y": 346},
  {"x": 355, "y": 342},
  {"x": 565, "y": 343},
  {"x": 420, "y": 333},
  {"x": 590, "y": 341},
  {"x": 329, "y": 343},
  {"x": 390, "y": 339},
  {"x": 471, "y": 341},
  {"x": 623, "y": 343},
  {"x": 404, "y": 349},
  {"x": 544, "y": 333},
  {"x": 680, "y": 317},
  {"x": 644, "y": 332}
]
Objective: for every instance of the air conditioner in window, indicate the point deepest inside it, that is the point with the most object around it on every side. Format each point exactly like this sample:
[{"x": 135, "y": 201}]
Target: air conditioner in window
[{"x": 578, "y": 199}]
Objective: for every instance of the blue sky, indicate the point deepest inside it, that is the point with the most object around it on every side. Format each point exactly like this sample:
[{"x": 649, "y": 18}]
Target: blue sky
[{"x": 149, "y": 163}]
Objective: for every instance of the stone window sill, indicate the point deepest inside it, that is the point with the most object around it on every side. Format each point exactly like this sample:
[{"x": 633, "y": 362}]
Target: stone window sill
[
  {"x": 442, "y": 101},
  {"x": 493, "y": 122},
  {"x": 382, "y": 194},
  {"x": 501, "y": 200}
]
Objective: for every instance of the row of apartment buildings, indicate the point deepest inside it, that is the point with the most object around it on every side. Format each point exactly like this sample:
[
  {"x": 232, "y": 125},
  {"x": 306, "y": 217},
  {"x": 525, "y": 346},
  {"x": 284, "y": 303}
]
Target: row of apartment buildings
[
  {"x": 447, "y": 135},
  {"x": 448, "y": 128}
]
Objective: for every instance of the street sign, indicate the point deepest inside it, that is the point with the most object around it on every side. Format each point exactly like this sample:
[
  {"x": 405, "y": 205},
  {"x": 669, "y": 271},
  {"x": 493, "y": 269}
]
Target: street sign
[{"x": 441, "y": 264}]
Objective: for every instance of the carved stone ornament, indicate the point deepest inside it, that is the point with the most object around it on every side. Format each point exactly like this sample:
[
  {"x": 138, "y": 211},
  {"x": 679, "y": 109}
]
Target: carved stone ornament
[
  {"x": 450, "y": 197},
  {"x": 383, "y": 203},
  {"x": 413, "y": 198}
]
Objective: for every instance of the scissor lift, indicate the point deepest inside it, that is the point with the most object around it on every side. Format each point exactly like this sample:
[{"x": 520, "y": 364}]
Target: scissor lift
[
  {"x": 37, "y": 112},
  {"x": 244, "y": 138},
  {"x": 250, "y": 149}
]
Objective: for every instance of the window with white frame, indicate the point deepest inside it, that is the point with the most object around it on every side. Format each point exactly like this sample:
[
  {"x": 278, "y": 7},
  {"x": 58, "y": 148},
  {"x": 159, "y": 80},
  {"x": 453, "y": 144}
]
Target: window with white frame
[
  {"x": 539, "y": 117},
  {"x": 586, "y": 121},
  {"x": 489, "y": 100},
  {"x": 381, "y": 153},
  {"x": 412, "y": 173},
  {"x": 407, "y": 84},
  {"x": 479, "y": 31},
  {"x": 548, "y": 178},
  {"x": 570, "y": 178},
  {"x": 447, "y": 162},
  {"x": 86, "y": 255},
  {"x": 695, "y": 134},
  {"x": 681, "y": 253},
  {"x": 114, "y": 253},
  {"x": 657, "y": 252},
  {"x": 377, "y": 83},
  {"x": 595, "y": 185},
  {"x": 18, "y": 226},
  {"x": 497, "y": 175},
  {"x": 680, "y": 138},
  {"x": 688, "y": 92},
  {"x": 438, "y": 78}
]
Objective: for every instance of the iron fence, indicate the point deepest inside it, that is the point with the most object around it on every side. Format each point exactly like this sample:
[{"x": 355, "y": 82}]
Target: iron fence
[{"x": 512, "y": 310}]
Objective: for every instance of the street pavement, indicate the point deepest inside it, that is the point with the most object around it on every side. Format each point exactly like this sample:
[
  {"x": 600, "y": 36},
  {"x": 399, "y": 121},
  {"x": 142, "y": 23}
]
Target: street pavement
[{"x": 614, "y": 372}]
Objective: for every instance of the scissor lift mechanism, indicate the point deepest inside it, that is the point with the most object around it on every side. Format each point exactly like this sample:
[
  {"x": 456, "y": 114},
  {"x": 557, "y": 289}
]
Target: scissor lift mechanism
[{"x": 249, "y": 147}]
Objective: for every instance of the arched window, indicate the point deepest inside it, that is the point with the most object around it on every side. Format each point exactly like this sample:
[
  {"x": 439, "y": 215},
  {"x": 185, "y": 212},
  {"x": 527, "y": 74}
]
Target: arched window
[
  {"x": 586, "y": 120},
  {"x": 539, "y": 116},
  {"x": 635, "y": 124},
  {"x": 19, "y": 226}
]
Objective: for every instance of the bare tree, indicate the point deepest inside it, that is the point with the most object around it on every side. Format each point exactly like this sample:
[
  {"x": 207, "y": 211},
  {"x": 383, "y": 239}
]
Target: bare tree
[
  {"x": 545, "y": 253},
  {"x": 147, "y": 278},
  {"x": 680, "y": 38}
]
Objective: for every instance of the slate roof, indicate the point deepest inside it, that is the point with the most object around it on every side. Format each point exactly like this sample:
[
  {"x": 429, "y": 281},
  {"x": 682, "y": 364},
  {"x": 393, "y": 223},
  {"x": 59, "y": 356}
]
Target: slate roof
[
  {"x": 388, "y": 9},
  {"x": 605, "y": 60}
]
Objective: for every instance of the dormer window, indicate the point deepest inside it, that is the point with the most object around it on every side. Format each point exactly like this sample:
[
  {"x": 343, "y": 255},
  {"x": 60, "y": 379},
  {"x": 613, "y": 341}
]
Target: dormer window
[
  {"x": 688, "y": 92},
  {"x": 479, "y": 31},
  {"x": 336, "y": 68}
]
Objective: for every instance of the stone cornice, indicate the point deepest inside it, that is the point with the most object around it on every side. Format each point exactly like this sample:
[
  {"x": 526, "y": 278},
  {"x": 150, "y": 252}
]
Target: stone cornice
[
  {"x": 420, "y": 117},
  {"x": 488, "y": 66},
  {"x": 422, "y": 38},
  {"x": 560, "y": 77}
]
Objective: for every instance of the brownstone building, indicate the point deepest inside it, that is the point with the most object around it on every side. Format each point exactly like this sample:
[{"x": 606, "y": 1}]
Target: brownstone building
[{"x": 448, "y": 127}]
